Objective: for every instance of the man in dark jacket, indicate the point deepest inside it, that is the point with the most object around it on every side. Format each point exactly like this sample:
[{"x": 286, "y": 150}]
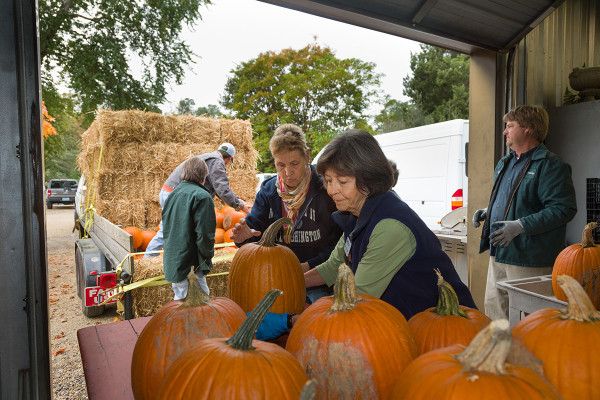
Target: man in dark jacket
[
  {"x": 189, "y": 225},
  {"x": 532, "y": 200},
  {"x": 296, "y": 192}
]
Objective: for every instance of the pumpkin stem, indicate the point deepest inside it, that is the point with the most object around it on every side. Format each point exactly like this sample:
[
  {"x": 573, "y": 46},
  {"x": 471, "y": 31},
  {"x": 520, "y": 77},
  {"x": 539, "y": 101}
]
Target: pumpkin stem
[
  {"x": 344, "y": 291},
  {"x": 580, "y": 307},
  {"x": 488, "y": 350},
  {"x": 447, "y": 300},
  {"x": 587, "y": 236},
  {"x": 195, "y": 296},
  {"x": 242, "y": 338},
  {"x": 270, "y": 234}
]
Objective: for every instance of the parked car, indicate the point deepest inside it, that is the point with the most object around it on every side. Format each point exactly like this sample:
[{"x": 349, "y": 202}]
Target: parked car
[{"x": 61, "y": 191}]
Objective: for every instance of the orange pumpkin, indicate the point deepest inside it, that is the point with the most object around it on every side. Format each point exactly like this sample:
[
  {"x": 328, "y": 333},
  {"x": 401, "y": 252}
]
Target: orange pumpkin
[
  {"x": 236, "y": 368},
  {"x": 448, "y": 323},
  {"x": 478, "y": 372},
  {"x": 146, "y": 238},
  {"x": 219, "y": 235},
  {"x": 232, "y": 218},
  {"x": 226, "y": 210},
  {"x": 355, "y": 346},
  {"x": 175, "y": 328},
  {"x": 262, "y": 266},
  {"x": 219, "y": 215},
  {"x": 582, "y": 262},
  {"x": 564, "y": 340},
  {"x": 227, "y": 236},
  {"x": 137, "y": 235}
]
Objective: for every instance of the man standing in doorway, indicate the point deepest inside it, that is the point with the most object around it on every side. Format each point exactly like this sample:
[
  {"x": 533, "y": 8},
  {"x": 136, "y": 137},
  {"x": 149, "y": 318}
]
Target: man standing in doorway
[
  {"x": 216, "y": 183},
  {"x": 532, "y": 201}
]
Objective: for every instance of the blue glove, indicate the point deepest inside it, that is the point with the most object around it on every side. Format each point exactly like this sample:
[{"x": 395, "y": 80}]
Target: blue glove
[
  {"x": 480, "y": 215},
  {"x": 272, "y": 326},
  {"x": 503, "y": 236}
]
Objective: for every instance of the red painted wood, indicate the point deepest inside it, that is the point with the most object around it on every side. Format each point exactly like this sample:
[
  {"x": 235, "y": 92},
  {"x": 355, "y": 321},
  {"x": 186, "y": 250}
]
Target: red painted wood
[{"x": 106, "y": 352}]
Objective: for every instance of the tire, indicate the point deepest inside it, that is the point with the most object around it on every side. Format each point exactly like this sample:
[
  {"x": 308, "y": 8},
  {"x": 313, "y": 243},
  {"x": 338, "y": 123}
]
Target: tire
[{"x": 49, "y": 205}]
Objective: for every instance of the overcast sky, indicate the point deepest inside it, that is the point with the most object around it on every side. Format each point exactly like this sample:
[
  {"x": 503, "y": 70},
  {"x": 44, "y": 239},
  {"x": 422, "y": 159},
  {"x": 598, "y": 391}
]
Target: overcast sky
[{"x": 234, "y": 31}]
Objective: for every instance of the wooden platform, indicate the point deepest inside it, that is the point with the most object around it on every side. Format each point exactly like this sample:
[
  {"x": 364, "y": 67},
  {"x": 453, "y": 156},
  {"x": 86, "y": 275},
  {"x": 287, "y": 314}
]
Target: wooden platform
[{"x": 106, "y": 352}]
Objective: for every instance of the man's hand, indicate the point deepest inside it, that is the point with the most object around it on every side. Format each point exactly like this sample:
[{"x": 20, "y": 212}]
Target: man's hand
[
  {"x": 272, "y": 326},
  {"x": 247, "y": 208},
  {"x": 480, "y": 215},
  {"x": 503, "y": 236},
  {"x": 242, "y": 232}
]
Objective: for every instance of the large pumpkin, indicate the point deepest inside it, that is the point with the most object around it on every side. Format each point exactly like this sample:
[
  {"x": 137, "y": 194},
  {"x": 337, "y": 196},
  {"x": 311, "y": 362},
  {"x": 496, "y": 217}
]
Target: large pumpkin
[
  {"x": 173, "y": 329},
  {"x": 136, "y": 233},
  {"x": 232, "y": 218},
  {"x": 236, "y": 368},
  {"x": 567, "y": 343},
  {"x": 448, "y": 323},
  {"x": 354, "y": 346},
  {"x": 260, "y": 267},
  {"x": 582, "y": 262},
  {"x": 478, "y": 372},
  {"x": 146, "y": 238}
]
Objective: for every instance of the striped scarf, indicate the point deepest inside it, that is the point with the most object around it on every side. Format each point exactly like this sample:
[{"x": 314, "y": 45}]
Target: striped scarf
[{"x": 293, "y": 199}]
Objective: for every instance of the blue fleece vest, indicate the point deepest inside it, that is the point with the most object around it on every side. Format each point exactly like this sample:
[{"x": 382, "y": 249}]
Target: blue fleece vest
[{"x": 414, "y": 287}]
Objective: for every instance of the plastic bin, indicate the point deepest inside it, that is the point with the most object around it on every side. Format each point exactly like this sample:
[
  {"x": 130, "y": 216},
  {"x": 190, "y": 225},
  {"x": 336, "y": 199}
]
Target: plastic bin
[{"x": 529, "y": 295}]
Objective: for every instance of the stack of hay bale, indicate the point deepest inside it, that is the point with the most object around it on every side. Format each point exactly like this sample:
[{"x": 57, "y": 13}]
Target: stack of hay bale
[{"x": 126, "y": 156}]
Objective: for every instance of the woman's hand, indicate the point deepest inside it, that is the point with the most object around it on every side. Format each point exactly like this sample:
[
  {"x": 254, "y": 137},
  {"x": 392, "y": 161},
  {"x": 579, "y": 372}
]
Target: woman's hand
[{"x": 242, "y": 232}]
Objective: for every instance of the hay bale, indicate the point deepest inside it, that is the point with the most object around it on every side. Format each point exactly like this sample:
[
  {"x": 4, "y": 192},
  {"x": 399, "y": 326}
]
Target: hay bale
[
  {"x": 148, "y": 300},
  {"x": 126, "y": 156}
]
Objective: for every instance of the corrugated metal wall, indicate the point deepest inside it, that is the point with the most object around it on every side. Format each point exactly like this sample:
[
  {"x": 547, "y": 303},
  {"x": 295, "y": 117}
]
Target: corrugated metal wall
[{"x": 567, "y": 38}]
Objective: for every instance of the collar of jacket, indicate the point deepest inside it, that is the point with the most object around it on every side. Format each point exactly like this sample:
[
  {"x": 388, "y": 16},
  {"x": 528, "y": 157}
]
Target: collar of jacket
[
  {"x": 352, "y": 225},
  {"x": 540, "y": 152},
  {"x": 197, "y": 184}
]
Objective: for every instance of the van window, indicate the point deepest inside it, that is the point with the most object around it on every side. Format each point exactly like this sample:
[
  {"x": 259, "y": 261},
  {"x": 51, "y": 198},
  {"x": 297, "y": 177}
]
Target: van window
[{"x": 54, "y": 184}]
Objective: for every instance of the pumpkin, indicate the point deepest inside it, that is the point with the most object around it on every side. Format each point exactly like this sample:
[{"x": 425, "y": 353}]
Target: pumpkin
[
  {"x": 176, "y": 327},
  {"x": 235, "y": 368},
  {"x": 354, "y": 346},
  {"x": 137, "y": 235},
  {"x": 146, "y": 238},
  {"x": 227, "y": 236},
  {"x": 226, "y": 210},
  {"x": 219, "y": 235},
  {"x": 232, "y": 218},
  {"x": 582, "y": 262},
  {"x": 478, "y": 372},
  {"x": 564, "y": 340},
  {"x": 259, "y": 267},
  {"x": 219, "y": 215},
  {"x": 448, "y": 323}
]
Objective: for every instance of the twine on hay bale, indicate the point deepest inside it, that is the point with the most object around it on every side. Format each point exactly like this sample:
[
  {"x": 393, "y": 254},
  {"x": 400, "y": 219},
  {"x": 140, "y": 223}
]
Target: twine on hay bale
[{"x": 148, "y": 300}]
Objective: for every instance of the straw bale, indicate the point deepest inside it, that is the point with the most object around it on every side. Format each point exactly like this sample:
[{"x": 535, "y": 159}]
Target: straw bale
[
  {"x": 130, "y": 212},
  {"x": 218, "y": 283},
  {"x": 148, "y": 300},
  {"x": 153, "y": 213}
]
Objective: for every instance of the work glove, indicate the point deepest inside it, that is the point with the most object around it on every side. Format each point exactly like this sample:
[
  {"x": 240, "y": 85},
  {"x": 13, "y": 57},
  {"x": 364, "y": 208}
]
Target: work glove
[
  {"x": 480, "y": 215},
  {"x": 272, "y": 326},
  {"x": 503, "y": 236}
]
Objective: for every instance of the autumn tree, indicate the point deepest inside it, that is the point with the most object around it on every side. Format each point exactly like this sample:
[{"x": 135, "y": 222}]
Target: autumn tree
[
  {"x": 118, "y": 54},
  {"x": 310, "y": 87}
]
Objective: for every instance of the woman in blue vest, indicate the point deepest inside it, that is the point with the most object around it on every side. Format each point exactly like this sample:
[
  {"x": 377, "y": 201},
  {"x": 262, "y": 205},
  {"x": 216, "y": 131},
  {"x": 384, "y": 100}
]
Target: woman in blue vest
[{"x": 388, "y": 247}]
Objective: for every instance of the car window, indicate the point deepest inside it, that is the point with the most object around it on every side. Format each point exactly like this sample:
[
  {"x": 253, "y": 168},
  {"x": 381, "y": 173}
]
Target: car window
[{"x": 55, "y": 184}]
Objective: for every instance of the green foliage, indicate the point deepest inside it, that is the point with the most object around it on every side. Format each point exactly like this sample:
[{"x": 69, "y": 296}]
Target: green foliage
[
  {"x": 310, "y": 87},
  {"x": 439, "y": 85},
  {"x": 210, "y": 111},
  {"x": 186, "y": 107},
  {"x": 93, "y": 47},
  {"x": 397, "y": 115}
]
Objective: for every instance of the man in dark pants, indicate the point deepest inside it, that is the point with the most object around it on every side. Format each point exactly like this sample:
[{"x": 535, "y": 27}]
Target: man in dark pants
[{"x": 532, "y": 200}]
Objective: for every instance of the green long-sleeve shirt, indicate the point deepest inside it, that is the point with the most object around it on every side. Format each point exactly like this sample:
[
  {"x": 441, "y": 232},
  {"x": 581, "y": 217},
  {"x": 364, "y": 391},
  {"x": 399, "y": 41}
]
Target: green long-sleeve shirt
[
  {"x": 189, "y": 224},
  {"x": 391, "y": 244}
]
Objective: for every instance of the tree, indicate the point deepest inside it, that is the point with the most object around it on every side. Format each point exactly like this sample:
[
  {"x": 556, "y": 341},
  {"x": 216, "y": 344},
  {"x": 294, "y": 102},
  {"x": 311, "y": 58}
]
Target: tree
[
  {"x": 310, "y": 87},
  {"x": 186, "y": 106},
  {"x": 94, "y": 48},
  {"x": 439, "y": 85},
  {"x": 397, "y": 115},
  {"x": 210, "y": 111}
]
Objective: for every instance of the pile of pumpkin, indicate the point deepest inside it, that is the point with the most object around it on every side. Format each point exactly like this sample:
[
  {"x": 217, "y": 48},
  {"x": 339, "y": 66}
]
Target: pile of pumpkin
[
  {"x": 227, "y": 217},
  {"x": 140, "y": 238},
  {"x": 357, "y": 346}
]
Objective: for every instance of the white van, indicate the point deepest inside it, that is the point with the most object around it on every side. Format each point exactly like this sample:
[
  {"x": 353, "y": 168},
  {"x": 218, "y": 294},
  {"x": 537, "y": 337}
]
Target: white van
[{"x": 432, "y": 165}]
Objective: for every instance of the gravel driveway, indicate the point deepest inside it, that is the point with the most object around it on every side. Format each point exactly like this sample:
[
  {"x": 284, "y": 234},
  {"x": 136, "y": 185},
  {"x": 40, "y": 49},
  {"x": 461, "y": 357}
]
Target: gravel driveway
[{"x": 65, "y": 306}]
